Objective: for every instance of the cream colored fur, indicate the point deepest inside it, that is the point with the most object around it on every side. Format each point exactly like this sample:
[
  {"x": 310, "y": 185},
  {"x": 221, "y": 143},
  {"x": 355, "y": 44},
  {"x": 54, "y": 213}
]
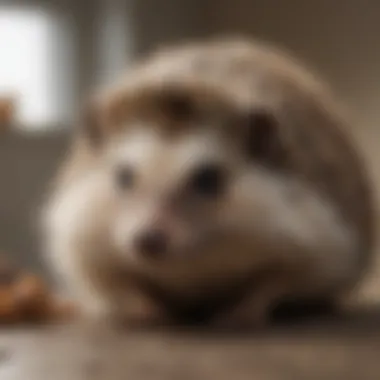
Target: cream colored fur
[{"x": 267, "y": 219}]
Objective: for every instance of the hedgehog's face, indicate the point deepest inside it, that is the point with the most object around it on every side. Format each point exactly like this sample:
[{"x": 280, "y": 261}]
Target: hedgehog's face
[
  {"x": 170, "y": 190},
  {"x": 173, "y": 185}
]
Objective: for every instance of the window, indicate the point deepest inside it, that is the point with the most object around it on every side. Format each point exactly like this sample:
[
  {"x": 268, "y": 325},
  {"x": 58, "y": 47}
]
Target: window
[
  {"x": 53, "y": 54},
  {"x": 27, "y": 64}
]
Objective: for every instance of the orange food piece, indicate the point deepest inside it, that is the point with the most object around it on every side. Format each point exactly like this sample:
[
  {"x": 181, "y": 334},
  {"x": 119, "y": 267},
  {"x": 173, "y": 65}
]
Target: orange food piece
[
  {"x": 26, "y": 298},
  {"x": 9, "y": 311},
  {"x": 32, "y": 297},
  {"x": 7, "y": 110}
]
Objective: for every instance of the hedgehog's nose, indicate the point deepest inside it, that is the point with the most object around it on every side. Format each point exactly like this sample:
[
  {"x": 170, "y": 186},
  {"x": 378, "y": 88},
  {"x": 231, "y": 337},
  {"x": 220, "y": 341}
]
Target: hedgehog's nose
[{"x": 152, "y": 244}]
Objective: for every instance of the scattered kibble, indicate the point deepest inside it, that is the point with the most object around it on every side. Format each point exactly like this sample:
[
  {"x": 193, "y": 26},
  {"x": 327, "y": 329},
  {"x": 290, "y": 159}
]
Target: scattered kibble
[
  {"x": 26, "y": 298},
  {"x": 9, "y": 313}
]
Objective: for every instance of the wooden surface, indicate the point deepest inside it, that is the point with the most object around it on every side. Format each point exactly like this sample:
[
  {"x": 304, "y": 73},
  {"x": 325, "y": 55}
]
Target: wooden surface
[
  {"x": 347, "y": 348},
  {"x": 343, "y": 348}
]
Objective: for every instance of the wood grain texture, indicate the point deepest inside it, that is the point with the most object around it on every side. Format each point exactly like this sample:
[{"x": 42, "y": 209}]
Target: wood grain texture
[{"x": 344, "y": 348}]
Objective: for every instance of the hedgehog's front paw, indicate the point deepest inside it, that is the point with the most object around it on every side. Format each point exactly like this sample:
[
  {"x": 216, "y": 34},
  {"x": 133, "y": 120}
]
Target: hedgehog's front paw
[
  {"x": 248, "y": 317},
  {"x": 124, "y": 311},
  {"x": 143, "y": 312},
  {"x": 253, "y": 312}
]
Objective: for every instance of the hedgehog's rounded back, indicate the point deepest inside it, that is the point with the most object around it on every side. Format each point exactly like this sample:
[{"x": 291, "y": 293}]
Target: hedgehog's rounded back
[
  {"x": 314, "y": 130},
  {"x": 290, "y": 211}
]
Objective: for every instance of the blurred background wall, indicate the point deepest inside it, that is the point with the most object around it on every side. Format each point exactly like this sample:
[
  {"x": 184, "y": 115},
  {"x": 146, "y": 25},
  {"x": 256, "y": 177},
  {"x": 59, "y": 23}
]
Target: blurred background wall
[{"x": 86, "y": 44}]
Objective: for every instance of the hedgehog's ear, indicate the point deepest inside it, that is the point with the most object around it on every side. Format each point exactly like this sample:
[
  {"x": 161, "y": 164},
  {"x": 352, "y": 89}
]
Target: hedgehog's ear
[
  {"x": 261, "y": 137},
  {"x": 177, "y": 103}
]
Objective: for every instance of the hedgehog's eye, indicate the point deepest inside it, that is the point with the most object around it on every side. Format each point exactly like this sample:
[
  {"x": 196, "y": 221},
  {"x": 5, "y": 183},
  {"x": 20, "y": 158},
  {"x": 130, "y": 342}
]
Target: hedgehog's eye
[
  {"x": 208, "y": 180},
  {"x": 261, "y": 139},
  {"x": 124, "y": 177},
  {"x": 261, "y": 135}
]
